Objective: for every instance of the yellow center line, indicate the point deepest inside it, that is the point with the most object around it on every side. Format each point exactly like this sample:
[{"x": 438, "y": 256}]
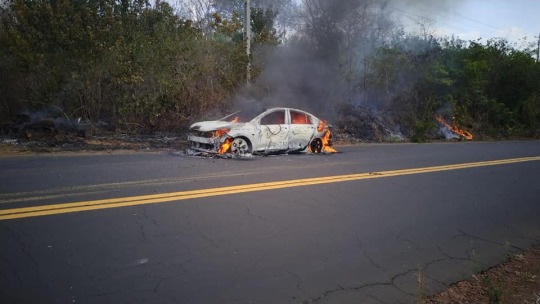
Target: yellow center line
[
  {"x": 192, "y": 194},
  {"x": 90, "y": 189}
]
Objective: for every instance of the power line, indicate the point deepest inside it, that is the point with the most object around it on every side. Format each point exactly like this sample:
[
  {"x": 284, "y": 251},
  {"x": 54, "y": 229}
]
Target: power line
[
  {"x": 463, "y": 16},
  {"x": 414, "y": 15},
  {"x": 457, "y": 24}
]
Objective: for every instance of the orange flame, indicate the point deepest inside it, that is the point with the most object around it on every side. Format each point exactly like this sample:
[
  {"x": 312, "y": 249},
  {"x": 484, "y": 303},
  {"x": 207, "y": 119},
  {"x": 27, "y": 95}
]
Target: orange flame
[
  {"x": 455, "y": 129},
  {"x": 321, "y": 125},
  {"x": 218, "y": 133},
  {"x": 224, "y": 147},
  {"x": 326, "y": 148}
]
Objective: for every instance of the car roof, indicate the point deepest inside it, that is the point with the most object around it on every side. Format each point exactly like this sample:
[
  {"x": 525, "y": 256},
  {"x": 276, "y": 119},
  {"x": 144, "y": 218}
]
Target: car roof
[{"x": 284, "y": 108}]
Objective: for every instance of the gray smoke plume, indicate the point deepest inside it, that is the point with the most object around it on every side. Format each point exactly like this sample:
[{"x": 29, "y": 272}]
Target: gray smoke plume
[
  {"x": 323, "y": 63},
  {"x": 320, "y": 65}
]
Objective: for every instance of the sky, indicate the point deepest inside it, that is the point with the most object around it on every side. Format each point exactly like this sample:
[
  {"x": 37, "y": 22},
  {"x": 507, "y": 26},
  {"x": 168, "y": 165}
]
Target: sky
[
  {"x": 470, "y": 19},
  {"x": 474, "y": 19}
]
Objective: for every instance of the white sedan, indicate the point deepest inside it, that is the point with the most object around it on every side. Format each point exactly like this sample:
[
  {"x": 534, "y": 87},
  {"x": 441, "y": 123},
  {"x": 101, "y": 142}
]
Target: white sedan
[{"x": 273, "y": 131}]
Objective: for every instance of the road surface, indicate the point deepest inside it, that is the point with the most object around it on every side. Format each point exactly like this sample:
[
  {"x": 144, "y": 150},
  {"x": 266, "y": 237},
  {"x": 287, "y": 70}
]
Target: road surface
[{"x": 361, "y": 226}]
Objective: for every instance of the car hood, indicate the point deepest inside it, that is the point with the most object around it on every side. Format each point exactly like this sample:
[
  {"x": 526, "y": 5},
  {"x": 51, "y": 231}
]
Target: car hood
[{"x": 213, "y": 125}]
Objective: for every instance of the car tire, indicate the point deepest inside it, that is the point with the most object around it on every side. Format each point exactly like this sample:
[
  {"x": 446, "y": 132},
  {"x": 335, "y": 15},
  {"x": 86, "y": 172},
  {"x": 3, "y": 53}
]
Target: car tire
[
  {"x": 240, "y": 146},
  {"x": 316, "y": 145}
]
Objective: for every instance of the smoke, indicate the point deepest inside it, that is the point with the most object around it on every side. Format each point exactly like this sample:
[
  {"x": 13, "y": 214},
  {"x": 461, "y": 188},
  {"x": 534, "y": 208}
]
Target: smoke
[
  {"x": 307, "y": 71},
  {"x": 447, "y": 133},
  {"x": 324, "y": 63},
  {"x": 293, "y": 77},
  {"x": 428, "y": 7}
]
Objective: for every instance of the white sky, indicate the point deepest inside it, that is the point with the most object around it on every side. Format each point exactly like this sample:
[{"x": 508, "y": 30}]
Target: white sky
[{"x": 473, "y": 19}]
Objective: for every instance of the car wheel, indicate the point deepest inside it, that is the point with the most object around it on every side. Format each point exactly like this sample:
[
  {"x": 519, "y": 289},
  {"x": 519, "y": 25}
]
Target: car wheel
[
  {"x": 240, "y": 146},
  {"x": 316, "y": 145}
]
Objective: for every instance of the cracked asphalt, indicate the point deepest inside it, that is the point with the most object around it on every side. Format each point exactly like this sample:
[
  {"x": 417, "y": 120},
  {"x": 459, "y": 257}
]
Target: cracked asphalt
[{"x": 380, "y": 240}]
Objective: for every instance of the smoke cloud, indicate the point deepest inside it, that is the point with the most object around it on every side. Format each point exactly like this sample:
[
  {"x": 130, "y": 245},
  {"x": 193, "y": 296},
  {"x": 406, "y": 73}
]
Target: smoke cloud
[{"x": 323, "y": 63}]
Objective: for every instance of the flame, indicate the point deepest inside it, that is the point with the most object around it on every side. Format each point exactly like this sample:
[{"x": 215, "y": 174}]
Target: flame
[
  {"x": 326, "y": 147},
  {"x": 325, "y": 139},
  {"x": 224, "y": 147},
  {"x": 455, "y": 129},
  {"x": 218, "y": 133},
  {"x": 321, "y": 125}
]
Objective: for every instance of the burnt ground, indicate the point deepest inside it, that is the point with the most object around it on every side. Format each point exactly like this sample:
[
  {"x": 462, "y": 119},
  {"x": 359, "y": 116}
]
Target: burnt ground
[
  {"x": 96, "y": 141},
  {"x": 515, "y": 281}
]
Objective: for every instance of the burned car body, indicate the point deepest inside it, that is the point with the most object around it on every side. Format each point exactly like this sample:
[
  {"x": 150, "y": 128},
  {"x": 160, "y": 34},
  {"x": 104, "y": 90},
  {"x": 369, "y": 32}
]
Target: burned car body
[{"x": 273, "y": 131}]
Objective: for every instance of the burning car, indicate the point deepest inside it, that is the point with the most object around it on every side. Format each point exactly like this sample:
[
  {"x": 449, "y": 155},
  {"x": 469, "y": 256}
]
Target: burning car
[{"x": 275, "y": 130}]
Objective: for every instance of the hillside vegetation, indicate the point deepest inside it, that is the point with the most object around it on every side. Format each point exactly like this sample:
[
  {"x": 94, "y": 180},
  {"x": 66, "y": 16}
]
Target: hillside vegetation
[{"x": 136, "y": 66}]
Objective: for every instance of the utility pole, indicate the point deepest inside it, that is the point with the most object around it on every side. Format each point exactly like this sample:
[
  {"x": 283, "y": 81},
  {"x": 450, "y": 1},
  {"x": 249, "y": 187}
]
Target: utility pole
[
  {"x": 538, "y": 48},
  {"x": 247, "y": 37}
]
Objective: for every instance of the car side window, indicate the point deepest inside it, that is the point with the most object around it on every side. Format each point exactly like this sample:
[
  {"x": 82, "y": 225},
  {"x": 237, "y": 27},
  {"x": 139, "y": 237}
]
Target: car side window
[
  {"x": 298, "y": 118},
  {"x": 274, "y": 118}
]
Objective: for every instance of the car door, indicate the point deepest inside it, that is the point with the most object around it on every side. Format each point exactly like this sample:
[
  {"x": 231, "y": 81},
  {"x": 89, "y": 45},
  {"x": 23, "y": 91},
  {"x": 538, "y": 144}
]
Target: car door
[
  {"x": 273, "y": 131},
  {"x": 301, "y": 130}
]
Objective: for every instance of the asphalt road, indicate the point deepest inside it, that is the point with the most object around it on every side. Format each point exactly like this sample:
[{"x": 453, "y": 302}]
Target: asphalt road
[{"x": 361, "y": 226}]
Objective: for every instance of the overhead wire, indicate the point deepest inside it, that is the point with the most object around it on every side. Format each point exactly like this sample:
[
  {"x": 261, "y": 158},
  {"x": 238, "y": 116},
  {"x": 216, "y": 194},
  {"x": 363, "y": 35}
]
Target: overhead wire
[
  {"x": 436, "y": 16},
  {"x": 458, "y": 15},
  {"x": 413, "y": 16}
]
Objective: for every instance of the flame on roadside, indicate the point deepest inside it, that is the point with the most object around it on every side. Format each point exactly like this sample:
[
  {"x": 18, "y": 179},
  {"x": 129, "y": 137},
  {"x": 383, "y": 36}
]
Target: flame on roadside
[{"x": 462, "y": 133}]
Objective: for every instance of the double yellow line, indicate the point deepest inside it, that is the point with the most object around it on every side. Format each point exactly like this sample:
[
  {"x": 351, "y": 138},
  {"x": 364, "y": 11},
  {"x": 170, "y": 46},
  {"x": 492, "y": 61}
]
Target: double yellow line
[{"x": 185, "y": 195}]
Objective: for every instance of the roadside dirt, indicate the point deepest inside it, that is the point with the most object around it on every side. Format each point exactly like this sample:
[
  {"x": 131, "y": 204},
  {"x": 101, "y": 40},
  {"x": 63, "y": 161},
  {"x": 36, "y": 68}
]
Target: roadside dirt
[
  {"x": 515, "y": 281},
  {"x": 101, "y": 142}
]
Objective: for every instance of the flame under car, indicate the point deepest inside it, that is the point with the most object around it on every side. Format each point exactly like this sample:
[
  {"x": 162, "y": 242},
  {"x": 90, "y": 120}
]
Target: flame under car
[{"x": 277, "y": 130}]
